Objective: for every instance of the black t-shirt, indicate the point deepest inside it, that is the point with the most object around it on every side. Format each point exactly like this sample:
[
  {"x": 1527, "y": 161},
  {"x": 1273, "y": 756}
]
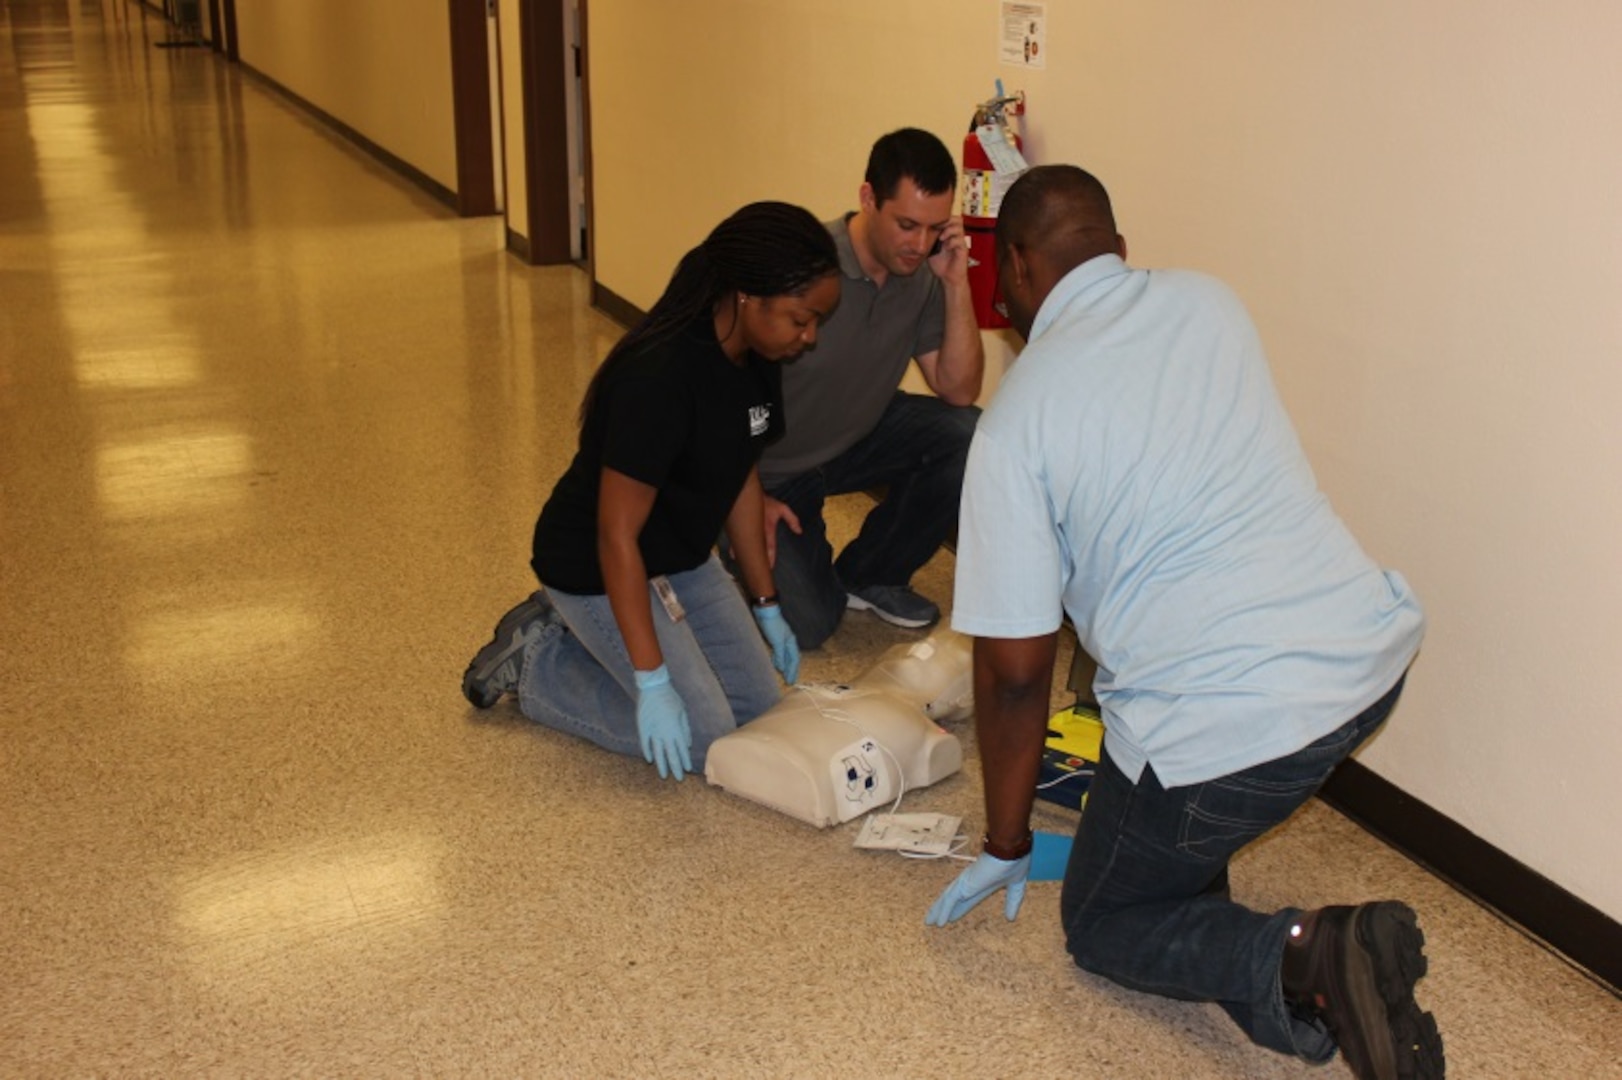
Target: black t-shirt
[{"x": 681, "y": 417}]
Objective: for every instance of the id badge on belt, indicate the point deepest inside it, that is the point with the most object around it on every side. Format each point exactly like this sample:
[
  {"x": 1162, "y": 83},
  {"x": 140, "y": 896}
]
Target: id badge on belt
[{"x": 668, "y": 597}]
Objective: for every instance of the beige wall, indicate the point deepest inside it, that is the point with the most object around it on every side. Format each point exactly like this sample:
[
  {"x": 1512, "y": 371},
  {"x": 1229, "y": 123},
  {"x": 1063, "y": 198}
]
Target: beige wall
[
  {"x": 1418, "y": 202},
  {"x": 383, "y": 67}
]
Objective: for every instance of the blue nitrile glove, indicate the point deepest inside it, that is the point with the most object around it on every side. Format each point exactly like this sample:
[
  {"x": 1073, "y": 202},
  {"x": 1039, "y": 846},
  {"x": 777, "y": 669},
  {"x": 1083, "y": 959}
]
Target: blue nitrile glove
[
  {"x": 979, "y": 880},
  {"x": 661, "y": 723},
  {"x": 785, "y": 649}
]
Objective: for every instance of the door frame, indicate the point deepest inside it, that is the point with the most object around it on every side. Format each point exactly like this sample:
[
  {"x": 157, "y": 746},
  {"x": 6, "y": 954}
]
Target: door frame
[
  {"x": 225, "y": 22},
  {"x": 470, "y": 107},
  {"x": 542, "y": 30},
  {"x": 590, "y": 211}
]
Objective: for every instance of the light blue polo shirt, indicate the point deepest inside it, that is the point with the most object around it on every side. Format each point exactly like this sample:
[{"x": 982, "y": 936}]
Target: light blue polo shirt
[{"x": 1137, "y": 468}]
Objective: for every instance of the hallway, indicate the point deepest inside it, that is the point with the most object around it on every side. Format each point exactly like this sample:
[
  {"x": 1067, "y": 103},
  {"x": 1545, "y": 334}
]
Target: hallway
[{"x": 274, "y": 426}]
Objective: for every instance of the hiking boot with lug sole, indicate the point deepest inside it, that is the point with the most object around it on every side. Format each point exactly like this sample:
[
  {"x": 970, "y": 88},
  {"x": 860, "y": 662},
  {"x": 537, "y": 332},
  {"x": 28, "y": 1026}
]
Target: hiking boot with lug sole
[{"x": 1355, "y": 967}]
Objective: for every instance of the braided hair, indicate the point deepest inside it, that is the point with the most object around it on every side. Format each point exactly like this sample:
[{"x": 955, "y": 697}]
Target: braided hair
[{"x": 765, "y": 249}]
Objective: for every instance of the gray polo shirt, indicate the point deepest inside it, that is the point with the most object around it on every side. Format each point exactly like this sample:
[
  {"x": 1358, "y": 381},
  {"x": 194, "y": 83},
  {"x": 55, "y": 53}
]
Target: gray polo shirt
[{"x": 834, "y": 394}]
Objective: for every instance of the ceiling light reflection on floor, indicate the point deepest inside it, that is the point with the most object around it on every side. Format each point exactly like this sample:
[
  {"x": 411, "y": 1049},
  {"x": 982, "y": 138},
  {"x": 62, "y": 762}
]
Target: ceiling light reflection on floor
[
  {"x": 303, "y": 905},
  {"x": 218, "y": 642},
  {"x": 148, "y": 367},
  {"x": 176, "y": 473}
]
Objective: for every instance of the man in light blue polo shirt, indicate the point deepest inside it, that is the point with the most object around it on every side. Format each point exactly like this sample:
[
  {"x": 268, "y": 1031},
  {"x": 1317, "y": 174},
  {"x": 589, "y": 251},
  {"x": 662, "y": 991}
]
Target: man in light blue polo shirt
[{"x": 1137, "y": 472}]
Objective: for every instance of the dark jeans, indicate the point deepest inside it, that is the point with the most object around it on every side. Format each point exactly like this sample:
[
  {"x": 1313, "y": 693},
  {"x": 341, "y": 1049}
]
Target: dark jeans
[
  {"x": 917, "y": 453},
  {"x": 1145, "y": 900}
]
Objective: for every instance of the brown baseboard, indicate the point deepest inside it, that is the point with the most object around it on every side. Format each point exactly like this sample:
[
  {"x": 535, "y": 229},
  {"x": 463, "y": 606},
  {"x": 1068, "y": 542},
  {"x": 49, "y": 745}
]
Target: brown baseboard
[
  {"x": 518, "y": 244},
  {"x": 1570, "y": 926},
  {"x": 434, "y": 188},
  {"x": 613, "y": 305}
]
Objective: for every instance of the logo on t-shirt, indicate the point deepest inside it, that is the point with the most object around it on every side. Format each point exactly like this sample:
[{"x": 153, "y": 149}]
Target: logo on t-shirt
[{"x": 760, "y": 418}]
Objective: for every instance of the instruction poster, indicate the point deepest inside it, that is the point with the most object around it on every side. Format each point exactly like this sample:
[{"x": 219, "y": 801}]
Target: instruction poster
[{"x": 1024, "y": 41}]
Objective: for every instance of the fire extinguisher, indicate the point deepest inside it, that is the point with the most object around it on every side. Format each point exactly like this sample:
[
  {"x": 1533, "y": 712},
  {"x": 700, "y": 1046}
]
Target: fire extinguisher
[{"x": 985, "y": 179}]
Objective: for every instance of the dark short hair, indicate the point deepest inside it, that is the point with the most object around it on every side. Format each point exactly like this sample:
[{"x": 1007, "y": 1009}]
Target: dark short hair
[
  {"x": 1048, "y": 196},
  {"x": 914, "y": 154}
]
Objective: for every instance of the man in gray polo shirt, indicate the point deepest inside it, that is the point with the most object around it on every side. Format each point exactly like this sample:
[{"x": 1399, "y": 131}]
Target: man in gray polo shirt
[{"x": 850, "y": 427}]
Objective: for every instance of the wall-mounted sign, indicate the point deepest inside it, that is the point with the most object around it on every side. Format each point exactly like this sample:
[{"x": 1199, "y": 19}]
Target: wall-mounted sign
[{"x": 1024, "y": 37}]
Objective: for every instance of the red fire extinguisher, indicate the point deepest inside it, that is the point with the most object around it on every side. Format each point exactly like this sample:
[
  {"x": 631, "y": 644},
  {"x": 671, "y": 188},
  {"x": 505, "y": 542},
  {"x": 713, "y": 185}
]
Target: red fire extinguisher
[{"x": 983, "y": 186}]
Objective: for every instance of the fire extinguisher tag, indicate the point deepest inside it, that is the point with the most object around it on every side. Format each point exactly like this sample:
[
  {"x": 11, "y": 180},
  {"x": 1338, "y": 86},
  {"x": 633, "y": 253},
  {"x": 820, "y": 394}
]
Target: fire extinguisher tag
[{"x": 1005, "y": 156}]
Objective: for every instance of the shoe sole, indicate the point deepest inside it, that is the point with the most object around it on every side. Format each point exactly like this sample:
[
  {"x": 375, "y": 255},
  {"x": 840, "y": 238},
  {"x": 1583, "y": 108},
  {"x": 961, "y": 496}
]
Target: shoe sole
[
  {"x": 1388, "y": 933},
  {"x": 508, "y": 639},
  {"x": 856, "y": 603}
]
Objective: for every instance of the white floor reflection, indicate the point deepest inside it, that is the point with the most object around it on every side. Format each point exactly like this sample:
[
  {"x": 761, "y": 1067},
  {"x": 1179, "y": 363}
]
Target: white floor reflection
[
  {"x": 262, "y": 635},
  {"x": 174, "y": 472},
  {"x": 310, "y": 905}
]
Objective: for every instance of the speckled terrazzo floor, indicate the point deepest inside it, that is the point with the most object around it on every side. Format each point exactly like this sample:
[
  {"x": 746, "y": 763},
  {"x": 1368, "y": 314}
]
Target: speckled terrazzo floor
[{"x": 273, "y": 430}]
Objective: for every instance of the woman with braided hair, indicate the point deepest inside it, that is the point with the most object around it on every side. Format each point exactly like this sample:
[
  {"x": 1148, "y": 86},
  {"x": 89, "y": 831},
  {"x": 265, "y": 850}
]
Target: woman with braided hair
[{"x": 638, "y": 639}]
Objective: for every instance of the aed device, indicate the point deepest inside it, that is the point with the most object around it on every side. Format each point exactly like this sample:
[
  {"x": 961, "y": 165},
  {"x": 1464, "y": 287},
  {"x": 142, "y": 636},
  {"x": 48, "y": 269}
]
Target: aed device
[
  {"x": 992, "y": 161},
  {"x": 827, "y": 754},
  {"x": 1070, "y": 756}
]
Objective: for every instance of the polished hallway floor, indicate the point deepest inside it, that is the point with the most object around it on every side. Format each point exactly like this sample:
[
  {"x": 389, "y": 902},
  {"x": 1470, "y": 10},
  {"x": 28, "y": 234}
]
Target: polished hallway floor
[{"x": 274, "y": 427}]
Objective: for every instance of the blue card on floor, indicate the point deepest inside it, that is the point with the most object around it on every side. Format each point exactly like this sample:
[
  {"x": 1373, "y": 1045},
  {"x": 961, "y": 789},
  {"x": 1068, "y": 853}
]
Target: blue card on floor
[{"x": 1050, "y": 852}]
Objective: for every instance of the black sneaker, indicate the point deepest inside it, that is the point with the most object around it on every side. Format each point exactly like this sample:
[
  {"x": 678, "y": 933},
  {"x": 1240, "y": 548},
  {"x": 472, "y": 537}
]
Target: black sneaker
[
  {"x": 1356, "y": 967},
  {"x": 494, "y": 669},
  {"x": 895, "y": 604}
]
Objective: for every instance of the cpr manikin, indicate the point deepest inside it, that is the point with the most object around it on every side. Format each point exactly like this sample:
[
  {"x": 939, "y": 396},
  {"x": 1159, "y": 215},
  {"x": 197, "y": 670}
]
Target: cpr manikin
[{"x": 828, "y": 753}]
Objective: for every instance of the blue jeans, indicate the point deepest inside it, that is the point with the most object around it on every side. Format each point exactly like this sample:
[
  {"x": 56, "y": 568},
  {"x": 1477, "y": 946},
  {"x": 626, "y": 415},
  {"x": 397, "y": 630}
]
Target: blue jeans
[
  {"x": 577, "y": 675},
  {"x": 1145, "y": 900},
  {"x": 917, "y": 453}
]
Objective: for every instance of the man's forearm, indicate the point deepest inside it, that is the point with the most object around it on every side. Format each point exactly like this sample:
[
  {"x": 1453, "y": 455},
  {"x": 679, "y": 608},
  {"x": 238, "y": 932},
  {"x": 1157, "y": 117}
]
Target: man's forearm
[
  {"x": 1012, "y": 687},
  {"x": 960, "y": 368}
]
